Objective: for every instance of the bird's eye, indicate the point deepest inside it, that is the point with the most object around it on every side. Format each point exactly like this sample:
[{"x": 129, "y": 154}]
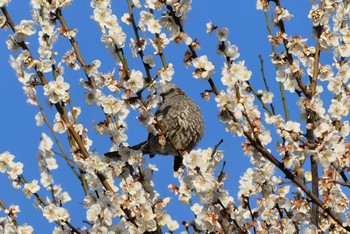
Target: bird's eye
[{"x": 171, "y": 90}]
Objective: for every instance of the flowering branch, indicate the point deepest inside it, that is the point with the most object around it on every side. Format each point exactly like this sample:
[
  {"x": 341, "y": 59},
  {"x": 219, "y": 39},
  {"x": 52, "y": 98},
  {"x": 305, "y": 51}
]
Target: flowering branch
[
  {"x": 120, "y": 194},
  {"x": 282, "y": 92},
  {"x": 9, "y": 212},
  {"x": 65, "y": 30}
]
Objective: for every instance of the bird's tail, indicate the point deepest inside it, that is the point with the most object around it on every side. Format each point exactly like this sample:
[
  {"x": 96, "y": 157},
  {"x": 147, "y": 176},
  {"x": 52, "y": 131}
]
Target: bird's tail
[
  {"x": 145, "y": 148},
  {"x": 139, "y": 145},
  {"x": 177, "y": 163},
  {"x": 115, "y": 154}
]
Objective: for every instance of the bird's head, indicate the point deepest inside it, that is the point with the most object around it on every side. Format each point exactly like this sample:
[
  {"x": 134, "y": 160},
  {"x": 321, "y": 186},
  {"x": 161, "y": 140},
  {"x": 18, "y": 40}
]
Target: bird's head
[{"x": 170, "y": 90}]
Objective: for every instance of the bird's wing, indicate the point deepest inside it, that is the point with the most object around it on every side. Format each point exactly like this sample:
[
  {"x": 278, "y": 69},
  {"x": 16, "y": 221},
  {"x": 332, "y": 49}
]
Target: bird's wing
[
  {"x": 173, "y": 119},
  {"x": 168, "y": 118}
]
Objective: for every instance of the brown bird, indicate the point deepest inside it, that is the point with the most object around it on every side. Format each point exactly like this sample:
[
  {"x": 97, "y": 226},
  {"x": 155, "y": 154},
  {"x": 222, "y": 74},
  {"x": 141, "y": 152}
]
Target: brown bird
[{"x": 180, "y": 120}]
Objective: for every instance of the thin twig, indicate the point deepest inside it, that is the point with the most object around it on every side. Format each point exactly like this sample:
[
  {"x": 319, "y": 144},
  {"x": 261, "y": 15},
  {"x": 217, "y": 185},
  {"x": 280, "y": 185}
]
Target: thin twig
[
  {"x": 11, "y": 215},
  {"x": 216, "y": 147},
  {"x": 281, "y": 88},
  {"x": 139, "y": 43},
  {"x": 44, "y": 203},
  {"x": 58, "y": 142},
  {"x": 76, "y": 48},
  {"x": 265, "y": 81}
]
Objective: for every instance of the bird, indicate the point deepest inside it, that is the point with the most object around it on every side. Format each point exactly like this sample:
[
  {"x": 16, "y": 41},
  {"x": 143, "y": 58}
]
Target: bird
[{"x": 180, "y": 120}]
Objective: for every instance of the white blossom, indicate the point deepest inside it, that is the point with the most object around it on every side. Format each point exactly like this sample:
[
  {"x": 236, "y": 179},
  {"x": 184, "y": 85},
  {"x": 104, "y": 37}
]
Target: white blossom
[
  {"x": 153, "y": 26},
  {"x": 135, "y": 82},
  {"x": 204, "y": 68},
  {"x": 30, "y": 188},
  {"x": 167, "y": 74},
  {"x": 57, "y": 90},
  {"x": 112, "y": 105},
  {"x": 24, "y": 30},
  {"x": 222, "y": 34},
  {"x": 4, "y": 3}
]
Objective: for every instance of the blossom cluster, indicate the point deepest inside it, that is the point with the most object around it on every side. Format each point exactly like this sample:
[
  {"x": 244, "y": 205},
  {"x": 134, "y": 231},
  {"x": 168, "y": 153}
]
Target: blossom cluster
[
  {"x": 113, "y": 34},
  {"x": 236, "y": 105},
  {"x": 135, "y": 190},
  {"x": 8, "y": 226},
  {"x": 57, "y": 90},
  {"x": 120, "y": 192},
  {"x": 199, "y": 179},
  {"x": 14, "y": 170}
]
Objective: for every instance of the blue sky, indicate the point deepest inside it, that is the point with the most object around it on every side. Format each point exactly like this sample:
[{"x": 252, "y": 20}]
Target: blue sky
[{"x": 20, "y": 136}]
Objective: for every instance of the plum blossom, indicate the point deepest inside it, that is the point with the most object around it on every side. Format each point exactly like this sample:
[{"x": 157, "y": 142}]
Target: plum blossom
[
  {"x": 53, "y": 213},
  {"x": 93, "y": 96},
  {"x": 71, "y": 59},
  {"x": 193, "y": 160},
  {"x": 338, "y": 109},
  {"x": 326, "y": 72},
  {"x": 213, "y": 207},
  {"x": 111, "y": 105},
  {"x": 113, "y": 33},
  {"x": 148, "y": 59},
  {"x": 343, "y": 73},
  {"x": 162, "y": 40},
  {"x": 103, "y": 16},
  {"x": 183, "y": 8},
  {"x": 13, "y": 210},
  {"x": 151, "y": 4},
  {"x": 222, "y": 34},
  {"x": 24, "y": 30},
  {"x": 59, "y": 126},
  {"x": 12, "y": 45},
  {"x": 145, "y": 17},
  {"x": 46, "y": 179},
  {"x": 57, "y": 90},
  {"x": 267, "y": 97},
  {"x": 326, "y": 157},
  {"x": 167, "y": 22},
  {"x": 93, "y": 68},
  {"x": 204, "y": 68},
  {"x": 93, "y": 212},
  {"x": 135, "y": 82},
  {"x": 173, "y": 225},
  {"x": 335, "y": 86},
  {"x": 45, "y": 143},
  {"x": 281, "y": 14},
  {"x": 296, "y": 45},
  {"x": 15, "y": 170},
  {"x": 4, "y": 3},
  {"x": 167, "y": 74},
  {"x": 210, "y": 27},
  {"x": 263, "y": 5},
  {"x": 153, "y": 26},
  {"x": 126, "y": 18},
  {"x": 196, "y": 208},
  {"x": 318, "y": 16},
  {"x": 231, "y": 51},
  {"x": 62, "y": 214},
  {"x": 343, "y": 50},
  {"x": 117, "y": 35},
  {"x": 6, "y": 161},
  {"x": 30, "y": 188},
  {"x": 100, "y": 4},
  {"x": 45, "y": 154},
  {"x": 2, "y": 20},
  {"x": 235, "y": 72}
]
